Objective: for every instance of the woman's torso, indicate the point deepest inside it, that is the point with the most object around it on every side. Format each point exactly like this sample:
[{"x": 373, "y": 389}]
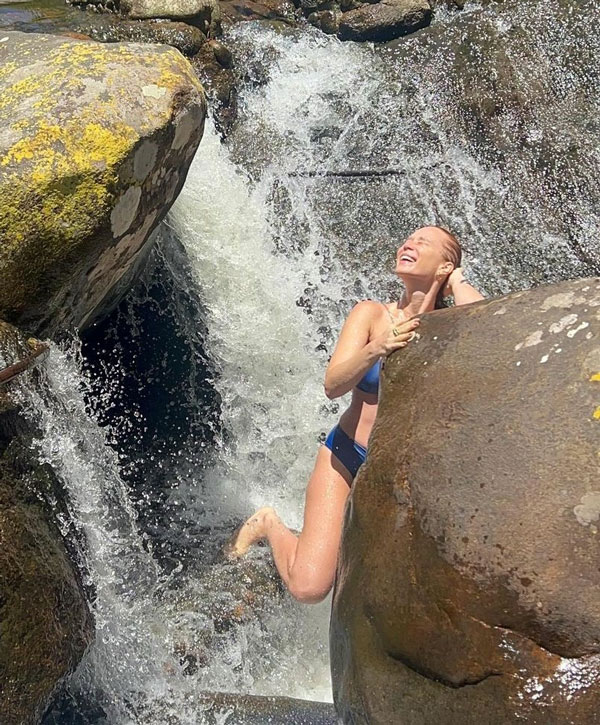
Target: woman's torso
[{"x": 358, "y": 419}]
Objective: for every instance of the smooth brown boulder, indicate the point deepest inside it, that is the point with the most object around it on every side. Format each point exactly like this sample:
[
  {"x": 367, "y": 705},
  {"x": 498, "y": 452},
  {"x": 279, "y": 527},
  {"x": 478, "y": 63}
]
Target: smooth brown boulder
[{"x": 468, "y": 586}]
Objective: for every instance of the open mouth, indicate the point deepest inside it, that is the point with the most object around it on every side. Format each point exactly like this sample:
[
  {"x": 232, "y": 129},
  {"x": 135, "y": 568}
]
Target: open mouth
[{"x": 406, "y": 257}]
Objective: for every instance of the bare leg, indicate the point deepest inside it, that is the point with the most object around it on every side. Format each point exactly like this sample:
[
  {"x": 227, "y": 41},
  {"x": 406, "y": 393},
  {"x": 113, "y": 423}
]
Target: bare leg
[{"x": 307, "y": 562}]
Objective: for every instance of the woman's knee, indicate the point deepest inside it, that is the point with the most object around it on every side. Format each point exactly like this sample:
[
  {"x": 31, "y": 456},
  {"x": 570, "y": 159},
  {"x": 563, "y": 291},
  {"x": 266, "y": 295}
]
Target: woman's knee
[{"x": 309, "y": 590}]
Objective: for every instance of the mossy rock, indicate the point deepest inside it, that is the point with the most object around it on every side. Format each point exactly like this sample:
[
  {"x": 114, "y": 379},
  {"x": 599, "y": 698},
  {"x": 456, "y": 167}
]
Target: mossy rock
[{"x": 95, "y": 145}]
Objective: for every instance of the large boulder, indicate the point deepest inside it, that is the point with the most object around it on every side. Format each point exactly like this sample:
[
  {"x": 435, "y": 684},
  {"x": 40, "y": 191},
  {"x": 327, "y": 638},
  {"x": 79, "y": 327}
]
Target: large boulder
[
  {"x": 384, "y": 20},
  {"x": 45, "y": 623},
  {"x": 95, "y": 144},
  {"x": 468, "y": 579}
]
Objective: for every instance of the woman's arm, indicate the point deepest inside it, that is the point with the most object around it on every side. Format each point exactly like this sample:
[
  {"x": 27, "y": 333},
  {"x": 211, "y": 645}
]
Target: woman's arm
[
  {"x": 354, "y": 353},
  {"x": 463, "y": 292}
]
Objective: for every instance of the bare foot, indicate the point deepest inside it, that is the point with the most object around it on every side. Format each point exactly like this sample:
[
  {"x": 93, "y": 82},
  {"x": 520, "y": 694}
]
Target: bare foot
[{"x": 250, "y": 532}]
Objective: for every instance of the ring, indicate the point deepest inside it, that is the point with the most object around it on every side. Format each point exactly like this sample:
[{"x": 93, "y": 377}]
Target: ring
[{"x": 395, "y": 332}]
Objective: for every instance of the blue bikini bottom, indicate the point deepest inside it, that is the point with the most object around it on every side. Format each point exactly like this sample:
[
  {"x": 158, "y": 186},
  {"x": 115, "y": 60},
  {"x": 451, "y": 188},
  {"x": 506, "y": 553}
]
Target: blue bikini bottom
[{"x": 348, "y": 452}]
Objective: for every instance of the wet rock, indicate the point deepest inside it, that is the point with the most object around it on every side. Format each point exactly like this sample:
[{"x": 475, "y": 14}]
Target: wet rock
[
  {"x": 219, "y": 81},
  {"x": 206, "y": 14},
  {"x": 17, "y": 354},
  {"x": 310, "y": 6},
  {"x": 385, "y": 20},
  {"x": 45, "y": 625},
  {"x": 349, "y": 4},
  {"x": 239, "y": 10},
  {"x": 467, "y": 586},
  {"x": 188, "y": 39},
  {"x": 326, "y": 20},
  {"x": 96, "y": 143},
  {"x": 223, "y": 708},
  {"x": 260, "y": 710},
  {"x": 222, "y": 54}
]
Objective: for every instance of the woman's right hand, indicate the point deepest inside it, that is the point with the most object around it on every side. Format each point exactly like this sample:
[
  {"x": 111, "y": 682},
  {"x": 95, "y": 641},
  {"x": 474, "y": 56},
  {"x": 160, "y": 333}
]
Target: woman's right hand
[{"x": 397, "y": 336}]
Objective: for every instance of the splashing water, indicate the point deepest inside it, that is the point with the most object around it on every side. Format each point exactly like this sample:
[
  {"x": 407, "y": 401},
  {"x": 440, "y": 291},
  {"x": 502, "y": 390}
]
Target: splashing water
[{"x": 116, "y": 560}]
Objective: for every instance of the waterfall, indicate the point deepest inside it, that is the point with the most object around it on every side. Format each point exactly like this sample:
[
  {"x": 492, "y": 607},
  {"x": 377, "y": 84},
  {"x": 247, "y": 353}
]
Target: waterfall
[
  {"x": 116, "y": 560},
  {"x": 339, "y": 152}
]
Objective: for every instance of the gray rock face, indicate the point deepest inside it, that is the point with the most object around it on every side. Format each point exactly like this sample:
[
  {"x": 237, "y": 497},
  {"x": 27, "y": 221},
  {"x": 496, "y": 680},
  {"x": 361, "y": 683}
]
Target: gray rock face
[
  {"x": 95, "y": 144},
  {"x": 468, "y": 579},
  {"x": 204, "y": 13},
  {"x": 45, "y": 624},
  {"x": 384, "y": 20}
]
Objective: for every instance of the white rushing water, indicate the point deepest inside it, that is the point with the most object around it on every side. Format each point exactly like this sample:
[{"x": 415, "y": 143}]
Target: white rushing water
[
  {"x": 279, "y": 245},
  {"x": 131, "y": 641}
]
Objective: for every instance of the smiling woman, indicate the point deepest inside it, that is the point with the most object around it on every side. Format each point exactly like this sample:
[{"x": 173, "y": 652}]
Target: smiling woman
[
  {"x": 418, "y": 255},
  {"x": 428, "y": 265}
]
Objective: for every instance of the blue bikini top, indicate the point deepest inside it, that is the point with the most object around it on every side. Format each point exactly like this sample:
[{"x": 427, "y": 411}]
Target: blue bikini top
[{"x": 369, "y": 383}]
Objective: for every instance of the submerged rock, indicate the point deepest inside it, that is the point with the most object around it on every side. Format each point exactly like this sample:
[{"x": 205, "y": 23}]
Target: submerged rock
[
  {"x": 262, "y": 710},
  {"x": 45, "y": 624},
  {"x": 95, "y": 145},
  {"x": 468, "y": 579},
  {"x": 223, "y": 708}
]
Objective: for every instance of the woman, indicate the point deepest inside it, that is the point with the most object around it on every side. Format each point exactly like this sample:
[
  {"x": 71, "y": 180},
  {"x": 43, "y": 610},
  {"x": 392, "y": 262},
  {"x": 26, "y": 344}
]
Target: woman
[{"x": 429, "y": 265}]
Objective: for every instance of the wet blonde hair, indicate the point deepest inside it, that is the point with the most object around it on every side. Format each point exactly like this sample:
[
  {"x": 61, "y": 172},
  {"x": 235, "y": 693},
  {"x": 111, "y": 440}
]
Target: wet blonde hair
[{"x": 452, "y": 254}]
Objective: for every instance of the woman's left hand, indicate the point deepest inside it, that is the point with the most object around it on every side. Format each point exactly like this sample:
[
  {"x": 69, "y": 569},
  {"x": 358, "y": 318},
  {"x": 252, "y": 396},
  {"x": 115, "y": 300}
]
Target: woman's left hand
[
  {"x": 454, "y": 278},
  {"x": 458, "y": 287}
]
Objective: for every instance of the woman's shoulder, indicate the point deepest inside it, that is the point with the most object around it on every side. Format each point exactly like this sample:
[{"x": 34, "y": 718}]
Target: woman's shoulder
[
  {"x": 366, "y": 312},
  {"x": 371, "y": 308}
]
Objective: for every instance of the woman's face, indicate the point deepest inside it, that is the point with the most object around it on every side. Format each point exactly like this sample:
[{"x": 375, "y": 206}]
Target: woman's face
[{"x": 423, "y": 256}]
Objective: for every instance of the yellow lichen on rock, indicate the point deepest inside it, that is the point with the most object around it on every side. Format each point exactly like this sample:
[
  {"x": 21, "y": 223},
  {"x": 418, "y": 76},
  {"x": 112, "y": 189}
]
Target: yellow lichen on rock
[
  {"x": 84, "y": 158},
  {"x": 74, "y": 113}
]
